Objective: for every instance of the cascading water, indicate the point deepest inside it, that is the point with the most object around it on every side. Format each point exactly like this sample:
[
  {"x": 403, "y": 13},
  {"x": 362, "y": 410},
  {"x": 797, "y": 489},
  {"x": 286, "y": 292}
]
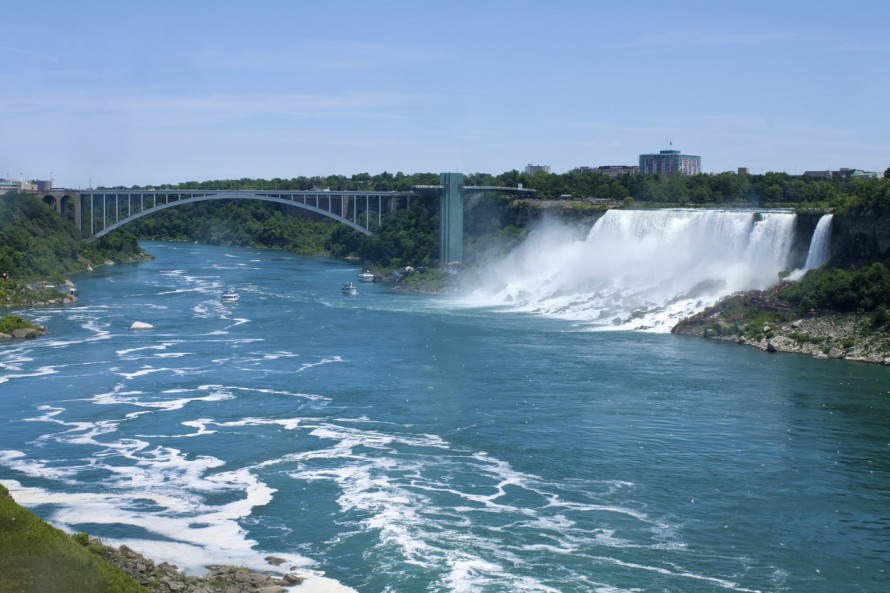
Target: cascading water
[
  {"x": 640, "y": 269},
  {"x": 820, "y": 246}
]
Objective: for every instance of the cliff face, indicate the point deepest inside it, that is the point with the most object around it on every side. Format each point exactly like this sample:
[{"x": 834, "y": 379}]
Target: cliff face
[
  {"x": 803, "y": 233},
  {"x": 860, "y": 236}
]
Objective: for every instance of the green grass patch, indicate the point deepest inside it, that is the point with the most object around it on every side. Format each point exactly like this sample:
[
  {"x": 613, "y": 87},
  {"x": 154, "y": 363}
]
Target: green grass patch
[
  {"x": 804, "y": 338},
  {"x": 35, "y": 557}
]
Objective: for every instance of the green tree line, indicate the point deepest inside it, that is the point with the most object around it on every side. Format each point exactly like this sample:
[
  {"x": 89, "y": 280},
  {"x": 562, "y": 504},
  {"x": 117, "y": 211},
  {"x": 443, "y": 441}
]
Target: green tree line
[
  {"x": 37, "y": 244},
  {"x": 723, "y": 189},
  {"x": 848, "y": 289}
]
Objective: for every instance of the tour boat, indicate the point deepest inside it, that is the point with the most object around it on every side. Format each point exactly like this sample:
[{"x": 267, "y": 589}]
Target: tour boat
[
  {"x": 229, "y": 296},
  {"x": 366, "y": 276},
  {"x": 349, "y": 288}
]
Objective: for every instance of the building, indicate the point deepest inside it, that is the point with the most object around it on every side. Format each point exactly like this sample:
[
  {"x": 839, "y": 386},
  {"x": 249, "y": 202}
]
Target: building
[
  {"x": 843, "y": 172},
  {"x": 16, "y": 185},
  {"x": 616, "y": 170},
  {"x": 532, "y": 169},
  {"x": 669, "y": 162},
  {"x": 610, "y": 170}
]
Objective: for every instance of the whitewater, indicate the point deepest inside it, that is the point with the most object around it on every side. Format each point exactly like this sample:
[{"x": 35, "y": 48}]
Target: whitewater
[{"x": 643, "y": 269}]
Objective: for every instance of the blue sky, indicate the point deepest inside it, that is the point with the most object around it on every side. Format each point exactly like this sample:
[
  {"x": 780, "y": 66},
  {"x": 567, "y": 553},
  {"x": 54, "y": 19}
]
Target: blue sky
[{"x": 138, "y": 93}]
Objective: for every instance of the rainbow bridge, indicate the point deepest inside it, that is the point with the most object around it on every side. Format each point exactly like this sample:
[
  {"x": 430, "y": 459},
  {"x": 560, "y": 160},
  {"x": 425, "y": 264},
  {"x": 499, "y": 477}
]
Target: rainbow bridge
[{"x": 97, "y": 212}]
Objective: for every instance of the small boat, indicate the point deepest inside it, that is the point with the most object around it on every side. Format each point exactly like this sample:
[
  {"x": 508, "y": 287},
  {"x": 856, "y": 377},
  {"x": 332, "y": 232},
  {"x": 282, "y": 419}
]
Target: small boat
[
  {"x": 366, "y": 276},
  {"x": 349, "y": 288},
  {"x": 229, "y": 296}
]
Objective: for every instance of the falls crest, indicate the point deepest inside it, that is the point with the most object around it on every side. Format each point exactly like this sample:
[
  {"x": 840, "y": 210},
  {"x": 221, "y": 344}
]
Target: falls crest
[{"x": 640, "y": 269}]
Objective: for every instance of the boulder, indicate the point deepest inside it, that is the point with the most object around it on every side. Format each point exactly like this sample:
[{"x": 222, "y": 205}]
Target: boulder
[
  {"x": 141, "y": 325},
  {"x": 5, "y": 336},
  {"x": 26, "y": 332},
  {"x": 836, "y": 353},
  {"x": 292, "y": 579}
]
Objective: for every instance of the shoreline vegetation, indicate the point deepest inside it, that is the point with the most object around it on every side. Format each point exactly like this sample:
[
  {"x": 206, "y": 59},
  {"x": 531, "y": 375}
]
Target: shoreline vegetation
[{"x": 36, "y": 557}]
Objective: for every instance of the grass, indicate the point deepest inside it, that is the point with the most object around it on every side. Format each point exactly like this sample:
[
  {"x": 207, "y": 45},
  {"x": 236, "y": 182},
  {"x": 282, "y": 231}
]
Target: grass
[
  {"x": 36, "y": 557},
  {"x": 13, "y": 322}
]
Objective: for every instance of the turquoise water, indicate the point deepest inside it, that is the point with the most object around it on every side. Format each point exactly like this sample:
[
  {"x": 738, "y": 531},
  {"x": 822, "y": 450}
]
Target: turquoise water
[{"x": 405, "y": 443}]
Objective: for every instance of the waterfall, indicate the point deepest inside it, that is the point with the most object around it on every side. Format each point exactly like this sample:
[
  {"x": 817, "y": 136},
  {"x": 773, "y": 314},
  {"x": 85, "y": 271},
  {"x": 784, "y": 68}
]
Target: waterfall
[
  {"x": 639, "y": 269},
  {"x": 820, "y": 248},
  {"x": 820, "y": 245}
]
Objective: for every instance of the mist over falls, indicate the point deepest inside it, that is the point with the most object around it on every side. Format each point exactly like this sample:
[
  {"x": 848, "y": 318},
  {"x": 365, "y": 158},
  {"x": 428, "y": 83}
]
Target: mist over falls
[{"x": 640, "y": 269}]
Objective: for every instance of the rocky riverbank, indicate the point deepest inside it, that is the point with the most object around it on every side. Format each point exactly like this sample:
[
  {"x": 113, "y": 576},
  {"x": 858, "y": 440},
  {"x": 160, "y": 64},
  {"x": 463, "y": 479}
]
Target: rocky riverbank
[
  {"x": 13, "y": 326},
  {"x": 829, "y": 335},
  {"x": 166, "y": 578}
]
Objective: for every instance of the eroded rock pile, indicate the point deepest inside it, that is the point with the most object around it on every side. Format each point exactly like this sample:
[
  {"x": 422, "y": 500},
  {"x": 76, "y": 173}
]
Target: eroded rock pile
[{"x": 166, "y": 578}]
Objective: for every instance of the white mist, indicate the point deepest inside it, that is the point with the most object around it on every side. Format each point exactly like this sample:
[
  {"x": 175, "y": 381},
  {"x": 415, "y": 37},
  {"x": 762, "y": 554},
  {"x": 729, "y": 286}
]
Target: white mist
[{"x": 640, "y": 269}]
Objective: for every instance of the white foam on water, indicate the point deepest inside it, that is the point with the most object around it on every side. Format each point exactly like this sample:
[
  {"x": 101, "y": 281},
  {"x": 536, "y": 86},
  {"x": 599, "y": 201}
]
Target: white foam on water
[
  {"x": 721, "y": 583},
  {"x": 19, "y": 462},
  {"x": 408, "y": 491},
  {"x": 126, "y": 351},
  {"x": 232, "y": 388},
  {"x": 118, "y": 396},
  {"x": 204, "y": 536},
  {"x": 38, "y": 372}
]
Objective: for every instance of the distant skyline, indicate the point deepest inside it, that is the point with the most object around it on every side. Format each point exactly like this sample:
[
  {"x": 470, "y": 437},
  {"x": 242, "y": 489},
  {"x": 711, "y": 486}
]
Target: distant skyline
[{"x": 168, "y": 92}]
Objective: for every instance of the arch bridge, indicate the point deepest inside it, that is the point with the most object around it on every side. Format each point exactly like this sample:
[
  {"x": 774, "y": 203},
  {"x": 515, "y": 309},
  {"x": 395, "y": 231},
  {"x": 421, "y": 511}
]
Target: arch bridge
[{"x": 97, "y": 212}]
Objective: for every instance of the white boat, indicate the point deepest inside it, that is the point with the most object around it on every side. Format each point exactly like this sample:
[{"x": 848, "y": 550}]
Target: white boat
[
  {"x": 366, "y": 276},
  {"x": 349, "y": 288},
  {"x": 229, "y": 296}
]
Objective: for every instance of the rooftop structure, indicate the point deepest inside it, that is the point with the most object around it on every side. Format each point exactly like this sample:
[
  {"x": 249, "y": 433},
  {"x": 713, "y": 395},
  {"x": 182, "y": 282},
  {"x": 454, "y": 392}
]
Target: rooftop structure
[{"x": 843, "y": 172}]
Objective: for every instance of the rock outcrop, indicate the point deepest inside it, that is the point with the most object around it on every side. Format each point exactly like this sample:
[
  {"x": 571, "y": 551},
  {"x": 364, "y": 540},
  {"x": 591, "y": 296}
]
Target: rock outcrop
[
  {"x": 831, "y": 336},
  {"x": 26, "y": 332},
  {"x": 166, "y": 578}
]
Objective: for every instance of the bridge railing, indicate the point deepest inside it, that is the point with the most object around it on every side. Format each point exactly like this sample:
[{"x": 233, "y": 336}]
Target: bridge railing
[{"x": 106, "y": 210}]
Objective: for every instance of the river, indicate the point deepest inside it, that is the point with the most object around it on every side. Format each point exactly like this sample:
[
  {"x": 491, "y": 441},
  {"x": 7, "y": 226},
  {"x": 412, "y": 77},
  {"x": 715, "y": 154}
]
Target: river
[{"x": 399, "y": 443}]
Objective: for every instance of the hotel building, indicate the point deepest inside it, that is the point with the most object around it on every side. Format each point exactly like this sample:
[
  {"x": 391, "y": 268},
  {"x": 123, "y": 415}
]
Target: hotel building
[{"x": 670, "y": 161}]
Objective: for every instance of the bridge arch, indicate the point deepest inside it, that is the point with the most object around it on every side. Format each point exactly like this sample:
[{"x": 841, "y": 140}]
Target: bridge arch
[
  {"x": 66, "y": 203},
  {"x": 127, "y": 206}
]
